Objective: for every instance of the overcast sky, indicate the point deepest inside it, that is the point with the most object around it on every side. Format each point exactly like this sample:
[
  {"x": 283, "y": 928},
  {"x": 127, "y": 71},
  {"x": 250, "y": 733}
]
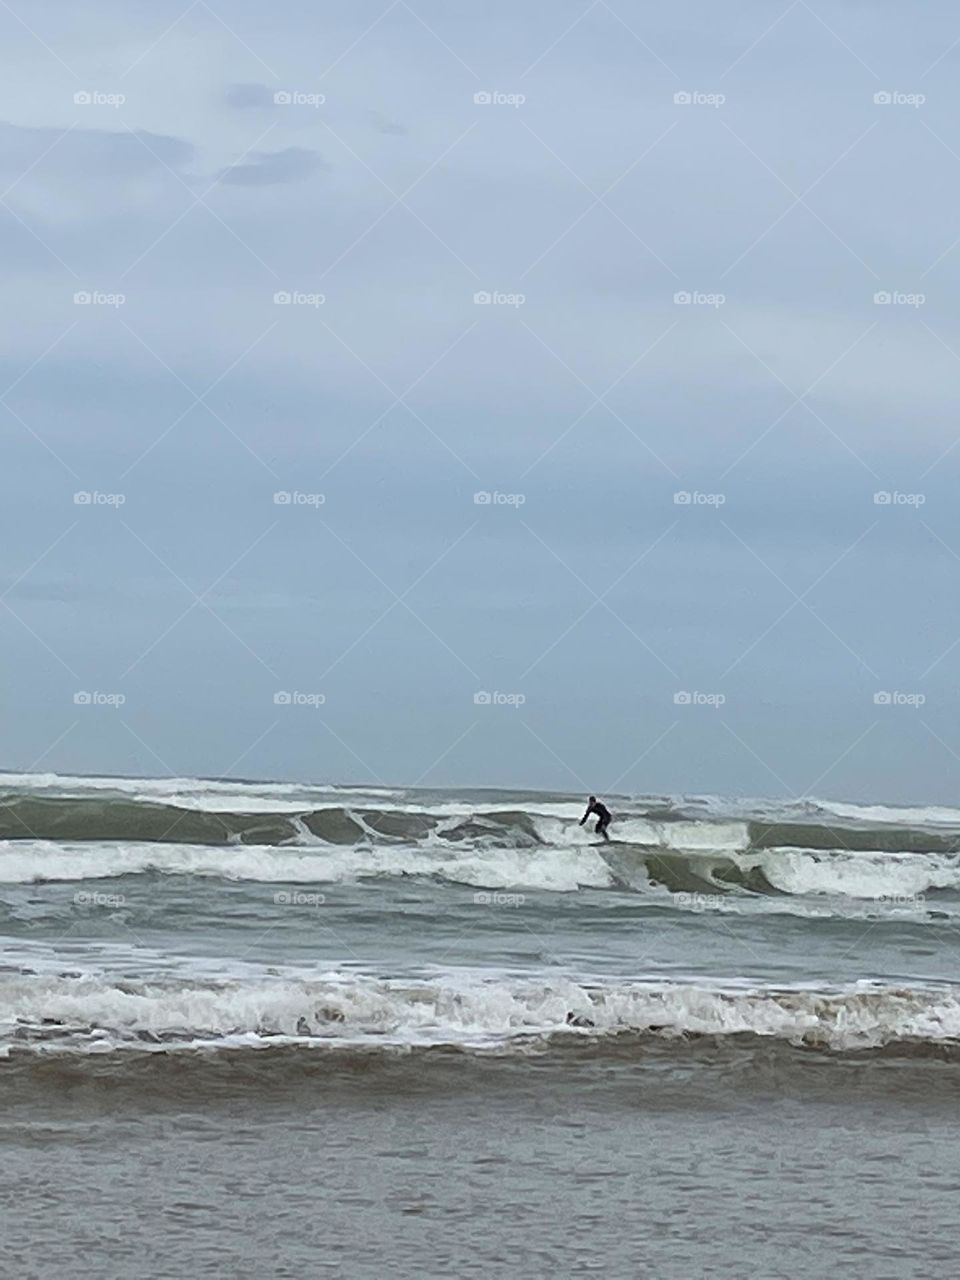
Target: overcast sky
[{"x": 583, "y": 166}]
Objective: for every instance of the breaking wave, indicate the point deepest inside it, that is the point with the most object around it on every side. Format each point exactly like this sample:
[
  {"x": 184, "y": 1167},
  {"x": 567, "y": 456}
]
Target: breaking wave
[
  {"x": 74, "y": 829},
  {"x": 116, "y": 818},
  {"x": 661, "y": 873},
  {"x": 472, "y": 1012},
  {"x": 23, "y": 862}
]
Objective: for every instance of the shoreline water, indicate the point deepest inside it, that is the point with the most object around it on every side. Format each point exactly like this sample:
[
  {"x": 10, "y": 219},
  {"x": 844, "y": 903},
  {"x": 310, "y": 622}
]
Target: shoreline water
[
  {"x": 517, "y": 1170},
  {"x": 468, "y": 1038}
]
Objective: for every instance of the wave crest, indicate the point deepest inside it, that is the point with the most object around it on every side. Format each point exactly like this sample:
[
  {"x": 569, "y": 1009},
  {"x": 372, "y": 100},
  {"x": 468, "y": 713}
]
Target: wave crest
[{"x": 466, "y": 1011}]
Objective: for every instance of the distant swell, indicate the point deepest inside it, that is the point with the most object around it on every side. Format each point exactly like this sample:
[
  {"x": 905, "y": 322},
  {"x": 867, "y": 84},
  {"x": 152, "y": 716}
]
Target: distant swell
[
  {"x": 121, "y": 818},
  {"x": 892, "y": 839},
  {"x": 98, "y": 818}
]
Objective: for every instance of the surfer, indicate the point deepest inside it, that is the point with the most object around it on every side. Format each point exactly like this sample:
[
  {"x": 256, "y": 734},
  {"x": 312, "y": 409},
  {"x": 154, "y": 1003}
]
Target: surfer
[{"x": 603, "y": 816}]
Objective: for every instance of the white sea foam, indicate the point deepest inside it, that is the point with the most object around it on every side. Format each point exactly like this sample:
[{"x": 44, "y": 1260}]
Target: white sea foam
[
  {"x": 896, "y": 815},
  {"x": 858, "y": 875},
  {"x": 469, "y": 1009},
  {"x": 706, "y": 835},
  {"x": 206, "y": 795},
  {"x": 564, "y": 829},
  {"x": 560, "y": 868},
  {"x": 565, "y": 869}
]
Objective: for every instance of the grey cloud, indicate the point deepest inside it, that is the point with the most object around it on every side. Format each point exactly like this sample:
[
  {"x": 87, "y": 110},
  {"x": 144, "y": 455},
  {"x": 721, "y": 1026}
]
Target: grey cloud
[
  {"x": 79, "y": 153},
  {"x": 267, "y": 168}
]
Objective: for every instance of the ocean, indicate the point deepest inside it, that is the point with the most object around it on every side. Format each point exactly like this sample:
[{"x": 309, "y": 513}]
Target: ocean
[{"x": 275, "y": 1029}]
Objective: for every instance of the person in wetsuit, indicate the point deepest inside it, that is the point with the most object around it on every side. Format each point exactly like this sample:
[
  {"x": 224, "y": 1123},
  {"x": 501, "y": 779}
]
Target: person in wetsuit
[{"x": 603, "y": 816}]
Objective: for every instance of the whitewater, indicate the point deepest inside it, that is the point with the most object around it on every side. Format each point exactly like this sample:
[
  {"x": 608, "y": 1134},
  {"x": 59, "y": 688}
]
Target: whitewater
[{"x": 180, "y": 916}]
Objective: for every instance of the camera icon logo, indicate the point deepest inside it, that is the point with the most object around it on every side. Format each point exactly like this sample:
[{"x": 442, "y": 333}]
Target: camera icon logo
[
  {"x": 282, "y": 98},
  {"x": 482, "y": 698},
  {"x": 681, "y": 698},
  {"x": 281, "y": 699}
]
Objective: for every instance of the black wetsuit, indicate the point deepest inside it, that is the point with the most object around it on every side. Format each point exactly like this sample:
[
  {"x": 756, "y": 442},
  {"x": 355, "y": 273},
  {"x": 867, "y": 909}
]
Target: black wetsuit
[{"x": 603, "y": 817}]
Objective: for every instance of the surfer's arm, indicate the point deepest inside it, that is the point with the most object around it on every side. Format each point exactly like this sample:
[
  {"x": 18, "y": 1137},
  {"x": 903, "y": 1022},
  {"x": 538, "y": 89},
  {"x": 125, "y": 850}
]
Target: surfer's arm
[{"x": 586, "y": 815}]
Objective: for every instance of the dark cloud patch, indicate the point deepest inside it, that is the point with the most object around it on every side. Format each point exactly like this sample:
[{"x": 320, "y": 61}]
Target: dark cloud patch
[
  {"x": 81, "y": 154},
  {"x": 267, "y": 168},
  {"x": 243, "y": 96}
]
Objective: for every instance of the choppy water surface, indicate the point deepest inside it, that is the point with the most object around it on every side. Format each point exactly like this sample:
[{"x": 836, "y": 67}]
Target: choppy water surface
[{"x": 352, "y": 993}]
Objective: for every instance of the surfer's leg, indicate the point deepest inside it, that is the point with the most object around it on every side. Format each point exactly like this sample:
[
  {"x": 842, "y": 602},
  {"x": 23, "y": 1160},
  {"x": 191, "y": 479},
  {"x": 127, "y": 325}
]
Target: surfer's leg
[{"x": 601, "y": 828}]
